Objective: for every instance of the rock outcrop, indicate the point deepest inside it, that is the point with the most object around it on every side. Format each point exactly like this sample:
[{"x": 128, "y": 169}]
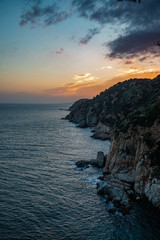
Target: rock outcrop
[
  {"x": 98, "y": 162},
  {"x": 101, "y": 131},
  {"x": 116, "y": 192}
]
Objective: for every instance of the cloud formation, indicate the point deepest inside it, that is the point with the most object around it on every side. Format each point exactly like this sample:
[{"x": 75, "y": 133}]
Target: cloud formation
[
  {"x": 69, "y": 89},
  {"x": 105, "y": 67},
  {"x": 92, "y": 32},
  {"x": 134, "y": 44},
  {"x": 90, "y": 89},
  {"x": 141, "y": 23},
  {"x": 137, "y": 25},
  {"x": 81, "y": 76},
  {"x": 48, "y": 15},
  {"x": 85, "y": 80}
]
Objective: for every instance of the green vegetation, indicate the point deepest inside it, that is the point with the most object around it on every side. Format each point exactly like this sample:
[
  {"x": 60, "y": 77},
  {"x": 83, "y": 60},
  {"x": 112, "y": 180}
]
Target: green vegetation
[
  {"x": 144, "y": 116},
  {"x": 148, "y": 139},
  {"x": 138, "y": 97},
  {"x": 155, "y": 155},
  {"x": 129, "y": 103},
  {"x": 156, "y": 171}
]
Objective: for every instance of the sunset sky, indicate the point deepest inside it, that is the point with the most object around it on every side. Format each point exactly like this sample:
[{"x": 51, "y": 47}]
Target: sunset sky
[{"x": 62, "y": 50}]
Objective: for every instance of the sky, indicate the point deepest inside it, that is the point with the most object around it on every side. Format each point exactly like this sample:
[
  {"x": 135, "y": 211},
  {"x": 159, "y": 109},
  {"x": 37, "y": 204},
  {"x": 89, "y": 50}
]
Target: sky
[{"x": 62, "y": 50}]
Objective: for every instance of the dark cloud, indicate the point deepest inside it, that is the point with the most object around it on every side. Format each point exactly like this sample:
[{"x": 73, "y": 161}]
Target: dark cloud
[
  {"x": 134, "y": 44},
  {"x": 140, "y": 22},
  {"x": 48, "y": 15},
  {"x": 92, "y": 32},
  {"x": 104, "y": 11}
]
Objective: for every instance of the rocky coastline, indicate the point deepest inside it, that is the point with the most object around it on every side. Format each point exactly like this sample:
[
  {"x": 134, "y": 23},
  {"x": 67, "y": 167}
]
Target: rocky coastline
[
  {"x": 117, "y": 192},
  {"x": 128, "y": 114}
]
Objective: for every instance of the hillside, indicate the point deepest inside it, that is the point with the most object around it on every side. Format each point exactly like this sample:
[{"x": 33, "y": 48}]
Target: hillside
[
  {"x": 129, "y": 114},
  {"x": 115, "y": 103}
]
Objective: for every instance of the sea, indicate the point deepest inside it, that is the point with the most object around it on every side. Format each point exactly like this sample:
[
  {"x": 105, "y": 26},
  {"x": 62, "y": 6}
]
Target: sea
[{"x": 43, "y": 195}]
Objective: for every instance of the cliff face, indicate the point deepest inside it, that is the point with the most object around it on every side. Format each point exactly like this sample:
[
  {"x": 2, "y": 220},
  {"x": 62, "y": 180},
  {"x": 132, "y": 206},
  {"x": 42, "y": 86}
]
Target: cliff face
[
  {"x": 135, "y": 151},
  {"x": 135, "y": 158},
  {"x": 129, "y": 113}
]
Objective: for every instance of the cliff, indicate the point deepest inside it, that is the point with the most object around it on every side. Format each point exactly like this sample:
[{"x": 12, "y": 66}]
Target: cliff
[
  {"x": 114, "y": 104},
  {"x": 129, "y": 114},
  {"x": 135, "y": 150}
]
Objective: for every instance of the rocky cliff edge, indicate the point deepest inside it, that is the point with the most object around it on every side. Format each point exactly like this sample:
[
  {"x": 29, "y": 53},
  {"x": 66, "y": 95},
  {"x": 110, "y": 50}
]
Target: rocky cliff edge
[{"x": 129, "y": 114}]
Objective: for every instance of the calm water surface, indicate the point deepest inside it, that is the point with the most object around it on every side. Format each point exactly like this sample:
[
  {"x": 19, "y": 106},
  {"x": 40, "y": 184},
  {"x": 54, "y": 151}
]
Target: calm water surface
[{"x": 42, "y": 193}]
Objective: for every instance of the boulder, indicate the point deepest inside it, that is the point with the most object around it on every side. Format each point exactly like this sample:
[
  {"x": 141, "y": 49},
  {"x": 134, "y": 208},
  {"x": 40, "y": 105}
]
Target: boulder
[
  {"x": 117, "y": 194},
  {"x": 82, "y": 163},
  {"x": 98, "y": 162},
  {"x": 100, "y": 159},
  {"x": 101, "y": 178},
  {"x": 111, "y": 209},
  {"x": 93, "y": 162}
]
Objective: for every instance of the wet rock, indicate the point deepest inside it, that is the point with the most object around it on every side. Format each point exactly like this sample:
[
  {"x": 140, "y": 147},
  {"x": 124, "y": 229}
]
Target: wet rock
[
  {"x": 101, "y": 178},
  {"x": 100, "y": 159},
  {"x": 130, "y": 192},
  {"x": 98, "y": 162},
  {"x": 93, "y": 162},
  {"x": 111, "y": 209},
  {"x": 103, "y": 188},
  {"x": 82, "y": 163},
  {"x": 115, "y": 190}
]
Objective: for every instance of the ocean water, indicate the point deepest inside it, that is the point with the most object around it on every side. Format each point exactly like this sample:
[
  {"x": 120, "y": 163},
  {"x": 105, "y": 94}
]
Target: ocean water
[{"x": 42, "y": 193}]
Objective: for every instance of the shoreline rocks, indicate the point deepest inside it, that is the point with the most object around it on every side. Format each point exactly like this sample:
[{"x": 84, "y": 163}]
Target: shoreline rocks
[
  {"x": 121, "y": 189},
  {"x": 116, "y": 192},
  {"x": 82, "y": 163},
  {"x": 98, "y": 162}
]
